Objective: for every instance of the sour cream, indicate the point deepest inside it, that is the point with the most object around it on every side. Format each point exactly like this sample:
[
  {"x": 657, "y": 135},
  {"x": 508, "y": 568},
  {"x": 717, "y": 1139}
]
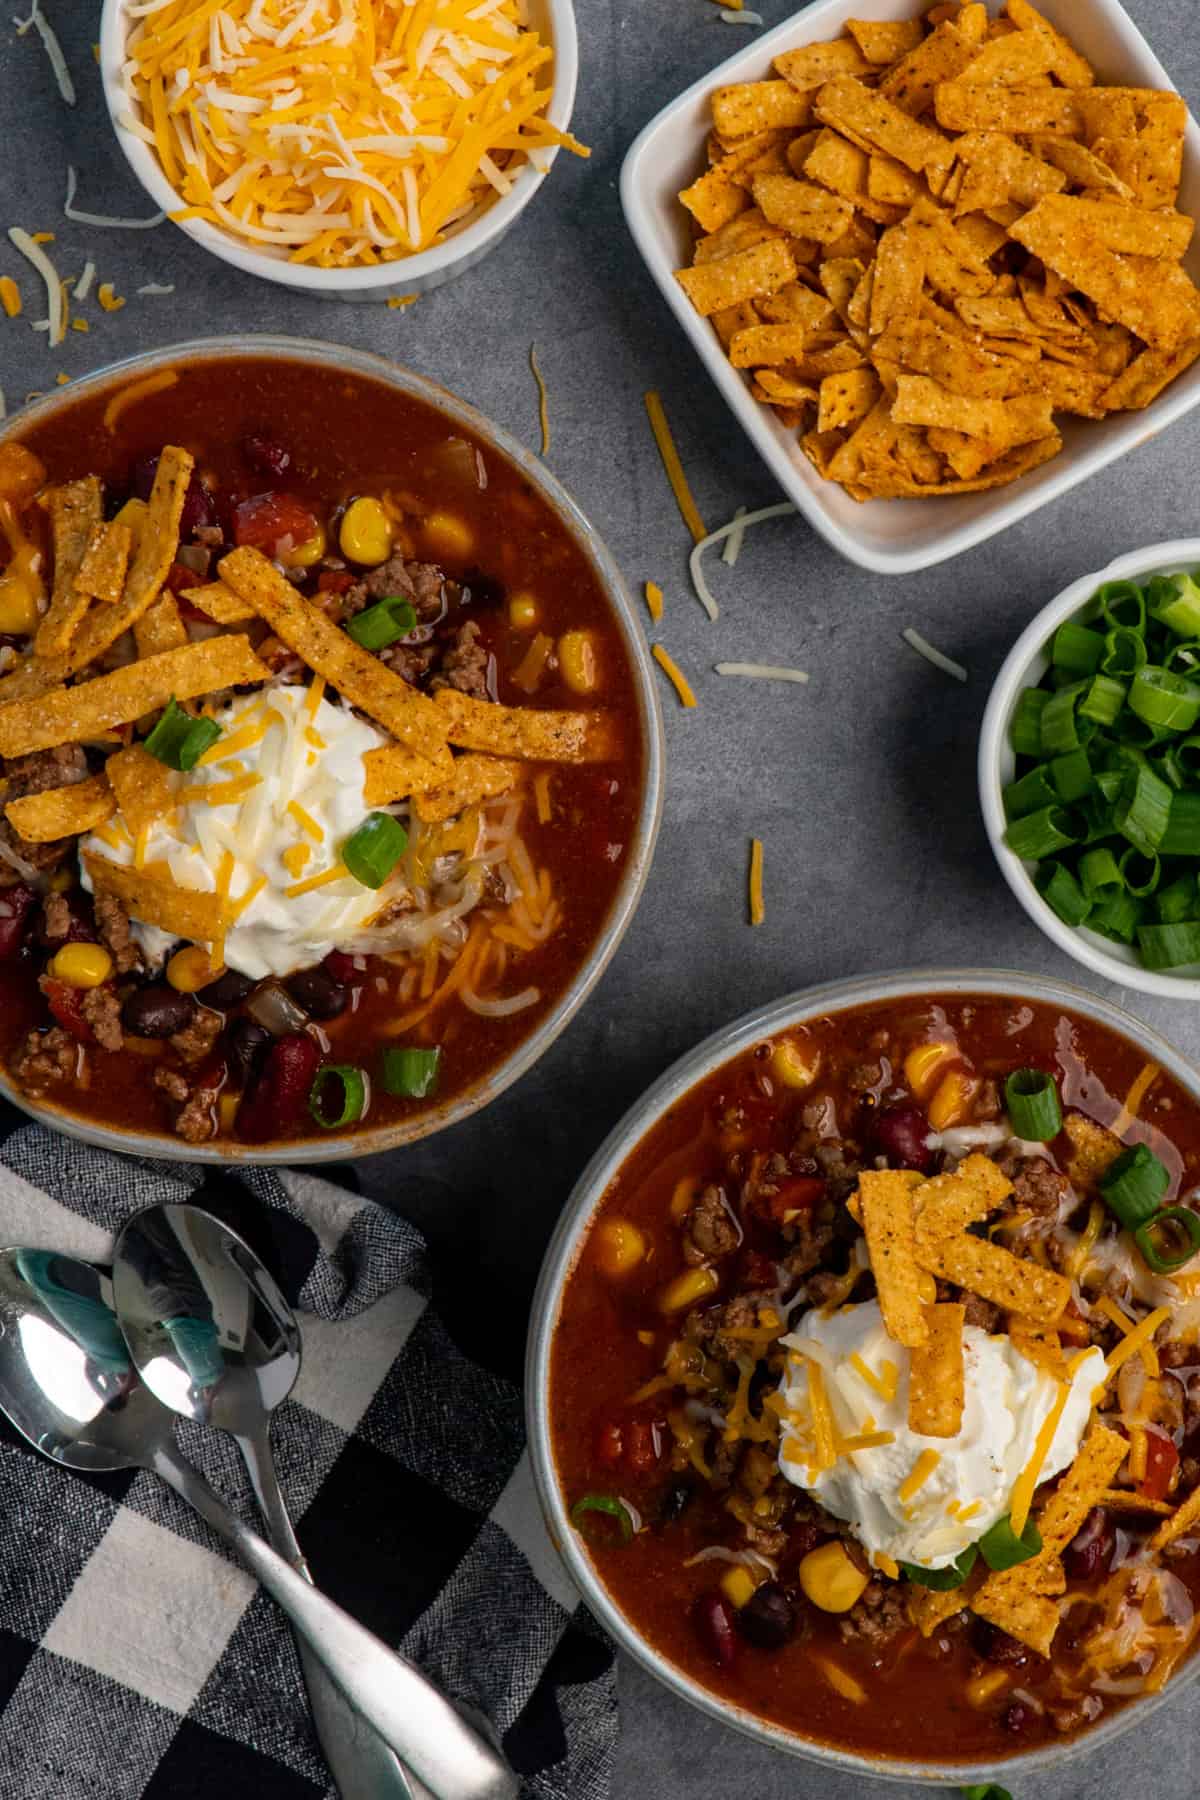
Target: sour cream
[
  {"x": 1007, "y": 1400},
  {"x": 292, "y": 765}
]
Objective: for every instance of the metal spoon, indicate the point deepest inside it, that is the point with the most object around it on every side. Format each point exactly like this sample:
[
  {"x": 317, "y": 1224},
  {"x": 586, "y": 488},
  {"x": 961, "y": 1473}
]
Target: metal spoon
[
  {"x": 215, "y": 1340},
  {"x": 68, "y": 1385}
]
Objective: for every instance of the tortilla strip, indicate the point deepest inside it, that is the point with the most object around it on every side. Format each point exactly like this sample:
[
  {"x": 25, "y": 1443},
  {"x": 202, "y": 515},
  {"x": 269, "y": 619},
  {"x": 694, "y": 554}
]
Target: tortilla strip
[
  {"x": 21, "y": 474},
  {"x": 1156, "y": 300},
  {"x": 394, "y": 773},
  {"x": 802, "y": 208},
  {"x": 871, "y": 121},
  {"x": 936, "y": 1382},
  {"x": 846, "y": 398},
  {"x": 993, "y": 1273},
  {"x": 1073, "y": 70},
  {"x": 1001, "y": 423},
  {"x": 62, "y": 812},
  {"x": 475, "y": 778},
  {"x": 939, "y": 57},
  {"x": 886, "y": 1200},
  {"x": 746, "y": 275},
  {"x": 220, "y": 603},
  {"x": 520, "y": 731},
  {"x": 1082, "y": 167},
  {"x": 899, "y": 278},
  {"x": 885, "y": 41},
  {"x": 75, "y": 515},
  {"x": 766, "y": 346},
  {"x": 928, "y": 1608},
  {"x": 1006, "y": 468},
  {"x": 1131, "y": 230},
  {"x": 155, "y": 899},
  {"x": 1024, "y": 178},
  {"x": 795, "y": 305},
  {"x": 1020, "y": 1600},
  {"x": 814, "y": 64},
  {"x": 160, "y": 627},
  {"x": 69, "y": 714},
  {"x": 1181, "y": 1521},
  {"x": 1147, "y": 375},
  {"x": 143, "y": 787},
  {"x": 358, "y": 676},
  {"x": 155, "y": 553},
  {"x": 748, "y": 106},
  {"x": 102, "y": 572},
  {"x": 963, "y": 106}
]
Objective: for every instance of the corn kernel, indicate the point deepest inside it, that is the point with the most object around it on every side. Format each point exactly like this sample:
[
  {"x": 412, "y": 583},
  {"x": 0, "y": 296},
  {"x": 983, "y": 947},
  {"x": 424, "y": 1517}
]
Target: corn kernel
[
  {"x": 227, "y": 1108},
  {"x": 523, "y": 612},
  {"x": 366, "y": 533},
  {"x": 448, "y": 533},
  {"x": 305, "y": 555},
  {"x": 620, "y": 1246},
  {"x": 950, "y": 1104},
  {"x": 683, "y": 1197},
  {"x": 687, "y": 1289},
  {"x": 830, "y": 1580},
  {"x": 133, "y": 514},
  {"x": 59, "y": 880},
  {"x": 795, "y": 1065},
  {"x": 189, "y": 970},
  {"x": 738, "y": 1585},
  {"x": 81, "y": 965},
  {"x": 18, "y": 607},
  {"x": 577, "y": 660},
  {"x": 985, "y": 1687},
  {"x": 925, "y": 1063}
]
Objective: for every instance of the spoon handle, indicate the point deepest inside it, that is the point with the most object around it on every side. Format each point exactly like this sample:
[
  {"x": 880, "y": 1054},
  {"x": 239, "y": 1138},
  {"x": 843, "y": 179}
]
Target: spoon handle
[
  {"x": 451, "y": 1759},
  {"x": 363, "y": 1766}
]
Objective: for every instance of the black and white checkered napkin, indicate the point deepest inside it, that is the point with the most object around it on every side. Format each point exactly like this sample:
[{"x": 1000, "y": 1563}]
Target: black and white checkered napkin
[{"x": 137, "y": 1658}]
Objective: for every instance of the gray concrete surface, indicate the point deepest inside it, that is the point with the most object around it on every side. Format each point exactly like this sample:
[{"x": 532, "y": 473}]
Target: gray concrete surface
[{"x": 862, "y": 784}]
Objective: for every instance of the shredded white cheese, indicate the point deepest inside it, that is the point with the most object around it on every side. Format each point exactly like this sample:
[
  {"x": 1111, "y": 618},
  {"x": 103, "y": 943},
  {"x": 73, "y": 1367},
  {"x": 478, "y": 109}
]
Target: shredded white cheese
[
  {"x": 53, "y": 48},
  {"x": 745, "y": 17},
  {"x": 157, "y": 288},
  {"x": 104, "y": 220},
  {"x": 739, "y": 524},
  {"x": 57, "y": 316},
  {"x": 761, "y": 671},
  {"x": 83, "y": 286},
  {"x": 924, "y": 648},
  {"x": 735, "y": 540}
]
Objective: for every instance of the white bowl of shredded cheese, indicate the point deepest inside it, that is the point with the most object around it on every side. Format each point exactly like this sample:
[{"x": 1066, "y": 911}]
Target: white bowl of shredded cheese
[{"x": 427, "y": 145}]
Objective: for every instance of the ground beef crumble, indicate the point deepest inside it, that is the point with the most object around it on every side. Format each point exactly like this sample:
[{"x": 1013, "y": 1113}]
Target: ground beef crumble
[
  {"x": 466, "y": 663},
  {"x": 194, "y": 1122},
  {"x": 102, "y": 1010},
  {"x": 424, "y": 584},
  {"x": 56, "y": 918},
  {"x": 44, "y": 1058},
  {"x": 63, "y": 766},
  {"x": 112, "y": 922},
  {"x": 195, "y": 1041},
  {"x": 877, "y": 1615}
]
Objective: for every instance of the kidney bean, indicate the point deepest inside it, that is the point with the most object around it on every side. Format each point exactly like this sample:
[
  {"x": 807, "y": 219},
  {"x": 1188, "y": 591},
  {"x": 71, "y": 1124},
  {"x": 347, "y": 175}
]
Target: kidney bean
[
  {"x": 342, "y": 968},
  {"x": 266, "y": 455},
  {"x": 318, "y": 993},
  {"x": 714, "y": 1621},
  {"x": 995, "y": 1645},
  {"x": 768, "y": 1618},
  {"x": 227, "y": 991},
  {"x": 900, "y": 1134},
  {"x": 16, "y": 904},
  {"x": 157, "y": 1012},
  {"x": 279, "y": 1099},
  {"x": 1090, "y": 1550}
]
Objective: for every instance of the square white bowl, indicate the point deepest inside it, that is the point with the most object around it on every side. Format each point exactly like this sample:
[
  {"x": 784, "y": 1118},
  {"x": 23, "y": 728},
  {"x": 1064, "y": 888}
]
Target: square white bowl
[{"x": 893, "y": 537}]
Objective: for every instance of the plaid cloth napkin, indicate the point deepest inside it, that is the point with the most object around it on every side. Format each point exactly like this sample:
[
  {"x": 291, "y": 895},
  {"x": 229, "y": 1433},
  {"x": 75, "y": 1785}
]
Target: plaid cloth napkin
[{"x": 138, "y": 1659}]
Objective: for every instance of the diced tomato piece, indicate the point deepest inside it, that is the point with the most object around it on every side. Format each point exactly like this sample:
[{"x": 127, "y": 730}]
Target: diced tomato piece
[
  {"x": 1162, "y": 1460},
  {"x": 794, "y": 1196},
  {"x": 643, "y": 1446},
  {"x": 335, "y": 581},
  {"x": 16, "y": 904},
  {"x": 66, "y": 1003},
  {"x": 179, "y": 577},
  {"x": 265, "y": 520}
]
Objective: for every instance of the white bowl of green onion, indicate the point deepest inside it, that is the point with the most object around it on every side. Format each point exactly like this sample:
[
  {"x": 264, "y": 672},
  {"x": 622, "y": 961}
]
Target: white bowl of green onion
[{"x": 1089, "y": 769}]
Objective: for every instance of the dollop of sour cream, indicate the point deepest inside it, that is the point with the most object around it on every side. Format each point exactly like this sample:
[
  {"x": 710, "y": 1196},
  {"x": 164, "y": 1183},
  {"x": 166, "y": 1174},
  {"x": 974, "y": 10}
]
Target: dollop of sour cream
[
  {"x": 292, "y": 765},
  {"x": 1007, "y": 1400}
]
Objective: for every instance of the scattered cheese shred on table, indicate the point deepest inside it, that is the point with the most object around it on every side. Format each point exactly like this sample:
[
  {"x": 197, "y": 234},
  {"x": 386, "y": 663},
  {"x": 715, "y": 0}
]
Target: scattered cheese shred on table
[
  {"x": 110, "y": 300},
  {"x": 10, "y": 296},
  {"x": 735, "y": 540},
  {"x": 543, "y": 398},
  {"x": 761, "y": 671},
  {"x": 343, "y": 136},
  {"x": 104, "y": 221},
  {"x": 34, "y": 254},
  {"x": 746, "y": 17},
  {"x": 924, "y": 648},
  {"x": 674, "y": 467},
  {"x": 739, "y": 524},
  {"x": 58, "y": 62},
  {"x": 758, "y": 910},
  {"x": 398, "y": 301},
  {"x": 654, "y": 600},
  {"x": 674, "y": 675}
]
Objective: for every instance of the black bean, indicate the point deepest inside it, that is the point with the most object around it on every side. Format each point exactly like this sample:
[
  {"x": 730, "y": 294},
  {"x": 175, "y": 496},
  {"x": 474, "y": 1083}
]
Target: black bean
[
  {"x": 227, "y": 991},
  {"x": 248, "y": 1045},
  {"x": 768, "y": 1618},
  {"x": 266, "y": 455},
  {"x": 997, "y": 1646},
  {"x": 675, "y": 1501},
  {"x": 318, "y": 993},
  {"x": 157, "y": 1012}
]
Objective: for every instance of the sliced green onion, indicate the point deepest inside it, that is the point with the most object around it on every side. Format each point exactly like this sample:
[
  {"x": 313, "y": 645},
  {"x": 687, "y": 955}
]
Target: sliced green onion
[
  {"x": 1170, "y": 1239},
  {"x": 987, "y": 1790},
  {"x": 1176, "y": 602},
  {"x": 1187, "y": 751},
  {"x": 1001, "y": 1548},
  {"x": 1041, "y": 834},
  {"x": 382, "y": 624},
  {"x": 180, "y": 741},
  {"x": 1103, "y": 699},
  {"x": 1123, "y": 603},
  {"x": 1060, "y": 890},
  {"x": 1025, "y": 727},
  {"x": 1124, "y": 653},
  {"x": 1116, "y": 915},
  {"x": 1141, "y": 874},
  {"x": 1186, "y": 654},
  {"x": 1182, "y": 836},
  {"x": 1033, "y": 792},
  {"x": 323, "y": 1095},
  {"x": 1166, "y": 701},
  {"x": 1098, "y": 869},
  {"x": 942, "y": 1580},
  {"x": 411, "y": 1074},
  {"x": 1060, "y": 729},
  {"x": 1076, "y": 648},
  {"x": 372, "y": 852},
  {"x": 1143, "y": 808},
  {"x": 610, "y": 1507},
  {"x": 1071, "y": 776},
  {"x": 1031, "y": 1100},
  {"x": 1178, "y": 901},
  {"x": 1133, "y": 1186},
  {"x": 1109, "y": 781},
  {"x": 1170, "y": 946}
]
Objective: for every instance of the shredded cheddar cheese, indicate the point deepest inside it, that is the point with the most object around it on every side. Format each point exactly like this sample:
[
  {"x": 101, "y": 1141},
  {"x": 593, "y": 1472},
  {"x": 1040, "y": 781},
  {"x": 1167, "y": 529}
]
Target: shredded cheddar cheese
[
  {"x": 141, "y": 390},
  {"x": 251, "y": 894},
  {"x": 674, "y": 467},
  {"x": 339, "y": 872},
  {"x": 294, "y": 859},
  {"x": 336, "y": 135},
  {"x": 841, "y": 1681},
  {"x": 306, "y": 822},
  {"x": 654, "y": 600},
  {"x": 1133, "y": 1099},
  {"x": 757, "y": 907},
  {"x": 543, "y": 398},
  {"x": 110, "y": 300},
  {"x": 10, "y": 296},
  {"x": 824, "y": 1439},
  {"x": 918, "y": 1475},
  {"x": 1027, "y": 1480},
  {"x": 1133, "y": 1342},
  {"x": 1116, "y": 1315},
  {"x": 674, "y": 675}
]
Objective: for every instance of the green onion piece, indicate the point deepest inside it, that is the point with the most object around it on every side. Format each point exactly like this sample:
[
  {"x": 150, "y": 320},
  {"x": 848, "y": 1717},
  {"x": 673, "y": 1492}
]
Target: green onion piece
[
  {"x": 1060, "y": 890},
  {"x": 1123, "y": 603},
  {"x": 1060, "y": 730},
  {"x": 1109, "y": 781},
  {"x": 1182, "y": 836},
  {"x": 1143, "y": 808},
  {"x": 1170, "y": 1239},
  {"x": 179, "y": 740},
  {"x": 1133, "y": 1186},
  {"x": 411, "y": 1074},
  {"x": 372, "y": 852},
  {"x": 1025, "y": 727},
  {"x": 1116, "y": 915},
  {"x": 610, "y": 1506},
  {"x": 323, "y": 1095},
  {"x": 1071, "y": 775},
  {"x": 1098, "y": 870},
  {"x": 1172, "y": 769},
  {"x": 1176, "y": 603},
  {"x": 1170, "y": 946},
  {"x": 1031, "y": 1100},
  {"x": 1033, "y": 792},
  {"x": 1096, "y": 813},
  {"x": 1166, "y": 701},
  {"x": 1187, "y": 655},
  {"x": 1001, "y": 1548},
  {"x": 382, "y": 624},
  {"x": 1076, "y": 648},
  {"x": 942, "y": 1580},
  {"x": 1141, "y": 874},
  {"x": 1039, "y": 834},
  {"x": 1124, "y": 653},
  {"x": 1177, "y": 902},
  {"x": 1187, "y": 753},
  {"x": 987, "y": 1790},
  {"x": 1103, "y": 700}
]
